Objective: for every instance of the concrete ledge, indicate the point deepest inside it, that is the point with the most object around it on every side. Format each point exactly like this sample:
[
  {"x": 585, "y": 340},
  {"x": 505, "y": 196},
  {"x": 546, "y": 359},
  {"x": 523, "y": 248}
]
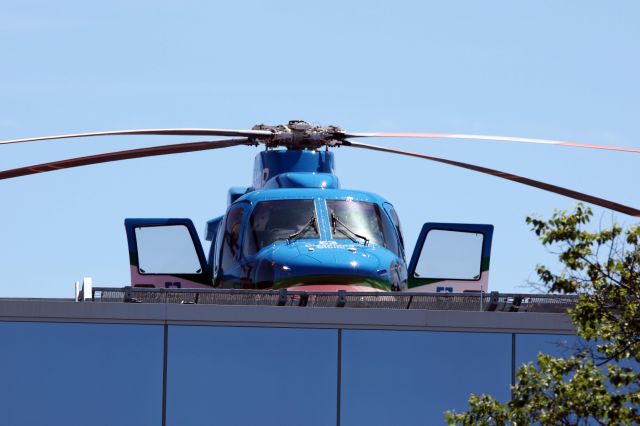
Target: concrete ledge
[{"x": 282, "y": 316}]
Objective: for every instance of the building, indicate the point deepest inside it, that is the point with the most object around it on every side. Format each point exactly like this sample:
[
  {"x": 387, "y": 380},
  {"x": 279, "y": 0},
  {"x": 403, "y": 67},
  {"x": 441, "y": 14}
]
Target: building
[{"x": 270, "y": 358}]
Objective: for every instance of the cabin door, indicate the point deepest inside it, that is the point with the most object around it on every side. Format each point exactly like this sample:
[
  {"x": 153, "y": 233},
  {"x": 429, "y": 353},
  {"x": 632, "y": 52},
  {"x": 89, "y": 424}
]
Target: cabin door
[
  {"x": 451, "y": 258},
  {"x": 166, "y": 253}
]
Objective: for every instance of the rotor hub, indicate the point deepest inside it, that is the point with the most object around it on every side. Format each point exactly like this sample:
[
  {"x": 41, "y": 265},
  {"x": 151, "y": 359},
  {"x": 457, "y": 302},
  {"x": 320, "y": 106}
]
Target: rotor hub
[{"x": 298, "y": 135}]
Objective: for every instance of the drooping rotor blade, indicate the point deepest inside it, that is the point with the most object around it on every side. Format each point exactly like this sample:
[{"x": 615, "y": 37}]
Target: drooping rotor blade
[
  {"x": 162, "y": 132},
  {"x": 490, "y": 138},
  {"x": 121, "y": 155},
  {"x": 523, "y": 180}
]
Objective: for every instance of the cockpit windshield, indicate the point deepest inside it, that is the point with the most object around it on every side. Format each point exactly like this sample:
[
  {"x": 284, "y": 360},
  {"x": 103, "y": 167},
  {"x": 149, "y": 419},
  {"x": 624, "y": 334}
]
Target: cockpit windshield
[
  {"x": 356, "y": 219},
  {"x": 281, "y": 220}
]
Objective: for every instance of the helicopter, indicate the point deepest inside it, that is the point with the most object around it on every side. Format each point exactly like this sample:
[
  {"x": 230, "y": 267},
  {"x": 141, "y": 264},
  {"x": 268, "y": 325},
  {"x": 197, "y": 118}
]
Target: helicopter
[{"x": 296, "y": 228}]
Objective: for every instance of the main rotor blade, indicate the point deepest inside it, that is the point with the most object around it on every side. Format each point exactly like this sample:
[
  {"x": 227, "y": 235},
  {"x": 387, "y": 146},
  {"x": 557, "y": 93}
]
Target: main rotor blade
[
  {"x": 121, "y": 155},
  {"x": 523, "y": 180},
  {"x": 162, "y": 132},
  {"x": 490, "y": 138}
]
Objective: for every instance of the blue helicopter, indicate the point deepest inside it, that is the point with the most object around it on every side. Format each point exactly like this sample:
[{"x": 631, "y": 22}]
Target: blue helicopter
[{"x": 296, "y": 228}]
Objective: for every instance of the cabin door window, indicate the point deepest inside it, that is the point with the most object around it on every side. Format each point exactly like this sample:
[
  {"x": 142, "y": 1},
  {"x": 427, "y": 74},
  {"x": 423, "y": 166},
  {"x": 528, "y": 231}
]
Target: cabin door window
[{"x": 154, "y": 256}]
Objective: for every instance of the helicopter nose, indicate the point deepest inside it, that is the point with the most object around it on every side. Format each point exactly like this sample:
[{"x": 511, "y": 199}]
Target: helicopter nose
[{"x": 331, "y": 260}]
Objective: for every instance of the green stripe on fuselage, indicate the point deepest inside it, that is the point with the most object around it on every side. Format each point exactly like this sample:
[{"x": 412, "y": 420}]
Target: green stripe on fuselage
[{"x": 374, "y": 283}]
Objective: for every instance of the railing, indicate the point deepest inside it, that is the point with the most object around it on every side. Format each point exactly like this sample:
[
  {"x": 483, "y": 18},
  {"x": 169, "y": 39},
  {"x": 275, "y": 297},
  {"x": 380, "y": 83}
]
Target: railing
[{"x": 494, "y": 301}]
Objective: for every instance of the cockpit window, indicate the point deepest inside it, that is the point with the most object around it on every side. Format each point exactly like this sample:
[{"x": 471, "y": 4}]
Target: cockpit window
[
  {"x": 280, "y": 220},
  {"x": 396, "y": 223},
  {"x": 355, "y": 219}
]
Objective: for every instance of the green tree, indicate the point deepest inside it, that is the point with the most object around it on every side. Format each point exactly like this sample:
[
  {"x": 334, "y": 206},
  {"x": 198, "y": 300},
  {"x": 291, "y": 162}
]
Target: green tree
[{"x": 600, "y": 386}]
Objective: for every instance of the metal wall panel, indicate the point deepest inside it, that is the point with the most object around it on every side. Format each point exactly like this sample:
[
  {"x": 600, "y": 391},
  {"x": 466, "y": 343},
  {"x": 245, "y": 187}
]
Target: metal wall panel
[
  {"x": 412, "y": 378},
  {"x": 79, "y": 374},
  {"x": 251, "y": 376},
  {"x": 527, "y": 346}
]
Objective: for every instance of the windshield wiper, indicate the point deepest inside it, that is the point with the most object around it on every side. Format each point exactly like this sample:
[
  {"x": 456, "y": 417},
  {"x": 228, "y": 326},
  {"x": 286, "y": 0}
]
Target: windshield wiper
[
  {"x": 335, "y": 221},
  {"x": 305, "y": 228}
]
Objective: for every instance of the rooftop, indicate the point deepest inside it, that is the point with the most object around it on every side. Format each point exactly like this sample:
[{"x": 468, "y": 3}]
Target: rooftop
[{"x": 493, "y": 312}]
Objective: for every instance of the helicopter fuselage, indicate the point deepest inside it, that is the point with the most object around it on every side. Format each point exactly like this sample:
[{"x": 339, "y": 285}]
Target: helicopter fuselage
[{"x": 295, "y": 228}]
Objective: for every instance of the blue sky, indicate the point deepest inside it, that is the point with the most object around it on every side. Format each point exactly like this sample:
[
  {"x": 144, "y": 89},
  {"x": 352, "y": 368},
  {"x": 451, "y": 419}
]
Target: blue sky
[{"x": 561, "y": 70}]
